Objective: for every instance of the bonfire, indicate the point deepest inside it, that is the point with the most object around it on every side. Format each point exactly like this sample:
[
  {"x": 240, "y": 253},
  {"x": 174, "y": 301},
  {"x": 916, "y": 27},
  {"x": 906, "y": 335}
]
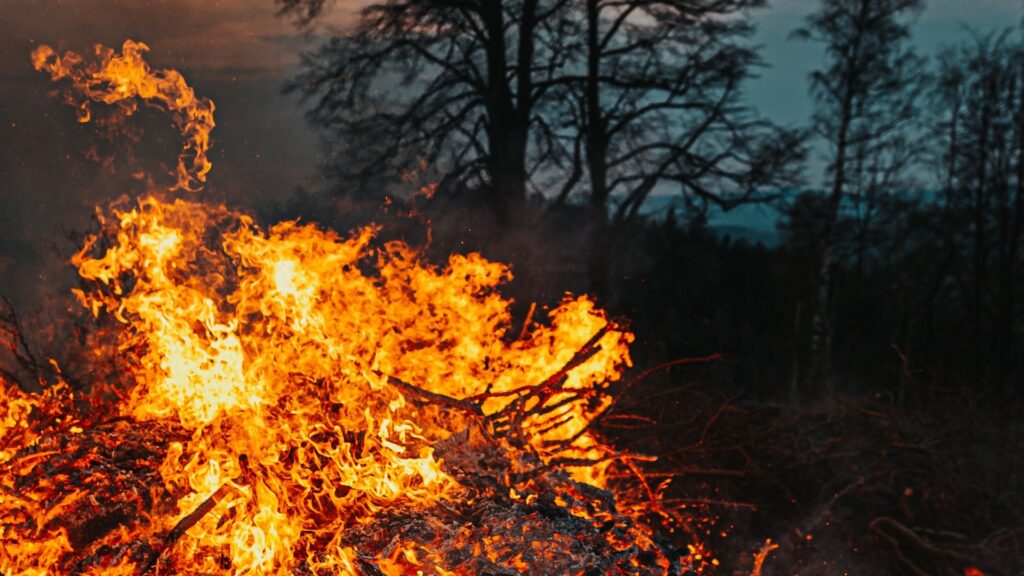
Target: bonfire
[{"x": 299, "y": 401}]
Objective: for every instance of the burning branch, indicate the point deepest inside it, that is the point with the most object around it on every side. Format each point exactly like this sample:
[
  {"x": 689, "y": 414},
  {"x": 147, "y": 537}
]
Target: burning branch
[
  {"x": 428, "y": 397},
  {"x": 184, "y": 525},
  {"x": 761, "y": 555}
]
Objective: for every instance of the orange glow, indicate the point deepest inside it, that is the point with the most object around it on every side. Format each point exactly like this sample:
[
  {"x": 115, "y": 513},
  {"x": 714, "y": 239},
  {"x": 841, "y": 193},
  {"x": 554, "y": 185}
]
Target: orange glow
[
  {"x": 761, "y": 555},
  {"x": 270, "y": 345}
]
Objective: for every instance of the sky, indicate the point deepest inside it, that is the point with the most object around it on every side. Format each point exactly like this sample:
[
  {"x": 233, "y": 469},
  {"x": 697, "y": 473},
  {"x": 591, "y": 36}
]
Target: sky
[
  {"x": 239, "y": 53},
  {"x": 781, "y": 91}
]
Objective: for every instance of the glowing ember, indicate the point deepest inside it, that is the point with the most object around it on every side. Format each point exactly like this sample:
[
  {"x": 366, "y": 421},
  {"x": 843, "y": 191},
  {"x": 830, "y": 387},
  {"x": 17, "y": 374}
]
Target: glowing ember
[
  {"x": 306, "y": 391},
  {"x": 761, "y": 555}
]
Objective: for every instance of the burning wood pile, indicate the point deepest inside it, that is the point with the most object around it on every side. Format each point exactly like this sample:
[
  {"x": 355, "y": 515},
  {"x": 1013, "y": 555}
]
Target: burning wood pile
[{"x": 305, "y": 403}]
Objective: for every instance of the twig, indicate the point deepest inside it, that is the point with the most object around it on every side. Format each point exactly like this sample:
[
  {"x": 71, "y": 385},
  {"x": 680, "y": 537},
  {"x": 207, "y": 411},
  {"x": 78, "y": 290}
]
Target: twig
[
  {"x": 625, "y": 388},
  {"x": 527, "y": 320},
  {"x": 434, "y": 397},
  {"x": 711, "y": 502},
  {"x": 11, "y": 324},
  {"x": 185, "y": 524},
  {"x": 889, "y": 529},
  {"x": 584, "y": 354},
  {"x": 761, "y": 555}
]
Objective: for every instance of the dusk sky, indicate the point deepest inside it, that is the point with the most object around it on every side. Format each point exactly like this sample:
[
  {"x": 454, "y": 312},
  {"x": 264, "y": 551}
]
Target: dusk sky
[
  {"x": 239, "y": 53},
  {"x": 781, "y": 92}
]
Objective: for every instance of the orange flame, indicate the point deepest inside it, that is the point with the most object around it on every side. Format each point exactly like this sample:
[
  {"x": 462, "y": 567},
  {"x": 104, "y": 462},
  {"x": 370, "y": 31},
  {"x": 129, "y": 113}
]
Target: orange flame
[
  {"x": 121, "y": 78},
  {"x": 270, "y": 346},
  {"x": 292, "y": 365}
]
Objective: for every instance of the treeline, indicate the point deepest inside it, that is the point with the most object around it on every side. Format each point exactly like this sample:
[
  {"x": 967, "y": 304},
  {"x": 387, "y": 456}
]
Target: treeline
[
  {"x": 537, "y": 130},
  {"x": 926, "y": 245}
]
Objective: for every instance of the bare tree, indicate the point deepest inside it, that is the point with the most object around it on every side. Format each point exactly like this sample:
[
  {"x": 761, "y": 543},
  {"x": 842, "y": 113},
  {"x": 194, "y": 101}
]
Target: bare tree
[
  {"x": 981, "y": 127},
  {"x": 865, "y": 96},
  {"x": 452, "y": 84},
  {"x": 655, "y": 101},
  {"x": 614, "y": 98}
]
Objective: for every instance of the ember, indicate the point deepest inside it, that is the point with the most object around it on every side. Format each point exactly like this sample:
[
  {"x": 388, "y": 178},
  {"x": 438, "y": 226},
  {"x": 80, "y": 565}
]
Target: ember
[{"x": 310, "y": 403}]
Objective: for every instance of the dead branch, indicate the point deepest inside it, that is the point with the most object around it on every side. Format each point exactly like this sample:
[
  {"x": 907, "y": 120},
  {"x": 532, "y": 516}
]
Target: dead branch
[
  {"x": 185, "y": 524},
  {"x": 433, "y": 397}
]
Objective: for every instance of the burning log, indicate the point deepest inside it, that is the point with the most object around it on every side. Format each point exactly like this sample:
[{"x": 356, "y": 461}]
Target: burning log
[
  {"x": 102, "y": 487},
  {"x": 80, "y": 489}
]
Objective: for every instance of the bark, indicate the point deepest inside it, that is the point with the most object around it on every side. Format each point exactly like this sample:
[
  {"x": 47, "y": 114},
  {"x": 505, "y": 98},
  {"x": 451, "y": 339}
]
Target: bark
[
  {"x": 818, "y": 380},
  {"x": 979, "y": 266},
  {"x": 597, "y": 160},
  {"x": 508, "y": 124},
  {"x": 1008, "y": 314}
]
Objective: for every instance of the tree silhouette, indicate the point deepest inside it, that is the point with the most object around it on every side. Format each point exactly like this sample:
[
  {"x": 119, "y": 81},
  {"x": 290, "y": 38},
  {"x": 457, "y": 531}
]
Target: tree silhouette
[
  {"x": 980, "y": 130},
  {"x": 657, "y": 105},
  {"x": 450, "y": 84},
  {"x": 866, "y": 95},
  {"x": 607, "y": 100}
]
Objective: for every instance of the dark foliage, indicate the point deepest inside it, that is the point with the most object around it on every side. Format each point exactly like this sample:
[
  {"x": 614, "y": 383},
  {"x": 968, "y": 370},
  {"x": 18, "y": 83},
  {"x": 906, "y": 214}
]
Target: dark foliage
[{"x": 863, "y": 486}]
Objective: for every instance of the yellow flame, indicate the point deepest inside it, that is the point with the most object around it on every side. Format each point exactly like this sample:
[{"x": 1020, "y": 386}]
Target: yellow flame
[
  {"x": 120, "y": 78},
  {"x": 270, "y": 345}
]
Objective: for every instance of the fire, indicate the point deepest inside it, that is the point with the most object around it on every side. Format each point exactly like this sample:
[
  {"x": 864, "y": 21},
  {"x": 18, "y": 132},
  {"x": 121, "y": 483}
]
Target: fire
[
  {"x": 762, "y": 555},
  {"x": 300, "y": 383},
  {"x": 121, "y": 79},
  {"x": 269, "y": 346}
]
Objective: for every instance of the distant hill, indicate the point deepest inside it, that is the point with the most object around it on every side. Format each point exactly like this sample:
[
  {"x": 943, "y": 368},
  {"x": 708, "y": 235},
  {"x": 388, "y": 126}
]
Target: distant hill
[
  {"x": 770, "y": 238},
  {"x": 752, "y": 223}
]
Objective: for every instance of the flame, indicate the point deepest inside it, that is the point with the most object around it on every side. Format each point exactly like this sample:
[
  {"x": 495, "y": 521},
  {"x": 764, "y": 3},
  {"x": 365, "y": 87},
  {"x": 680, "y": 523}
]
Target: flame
[
  {"x": 121, "y": 79},
  {"x": 15, "y": 408},
  {"x": 269, "y": 346},
  {"x": 301, "y": 382}
]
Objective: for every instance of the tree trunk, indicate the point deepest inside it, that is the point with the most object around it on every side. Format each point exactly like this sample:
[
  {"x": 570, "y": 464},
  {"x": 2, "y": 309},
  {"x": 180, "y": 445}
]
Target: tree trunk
[
  {"x": 1010, "y": 281},
  {"x": 601, "y": 242},
  {"x": 980, "y": 248},
  {"x": 818, "y": 383},
  {"x": 506, "y": 132}
]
